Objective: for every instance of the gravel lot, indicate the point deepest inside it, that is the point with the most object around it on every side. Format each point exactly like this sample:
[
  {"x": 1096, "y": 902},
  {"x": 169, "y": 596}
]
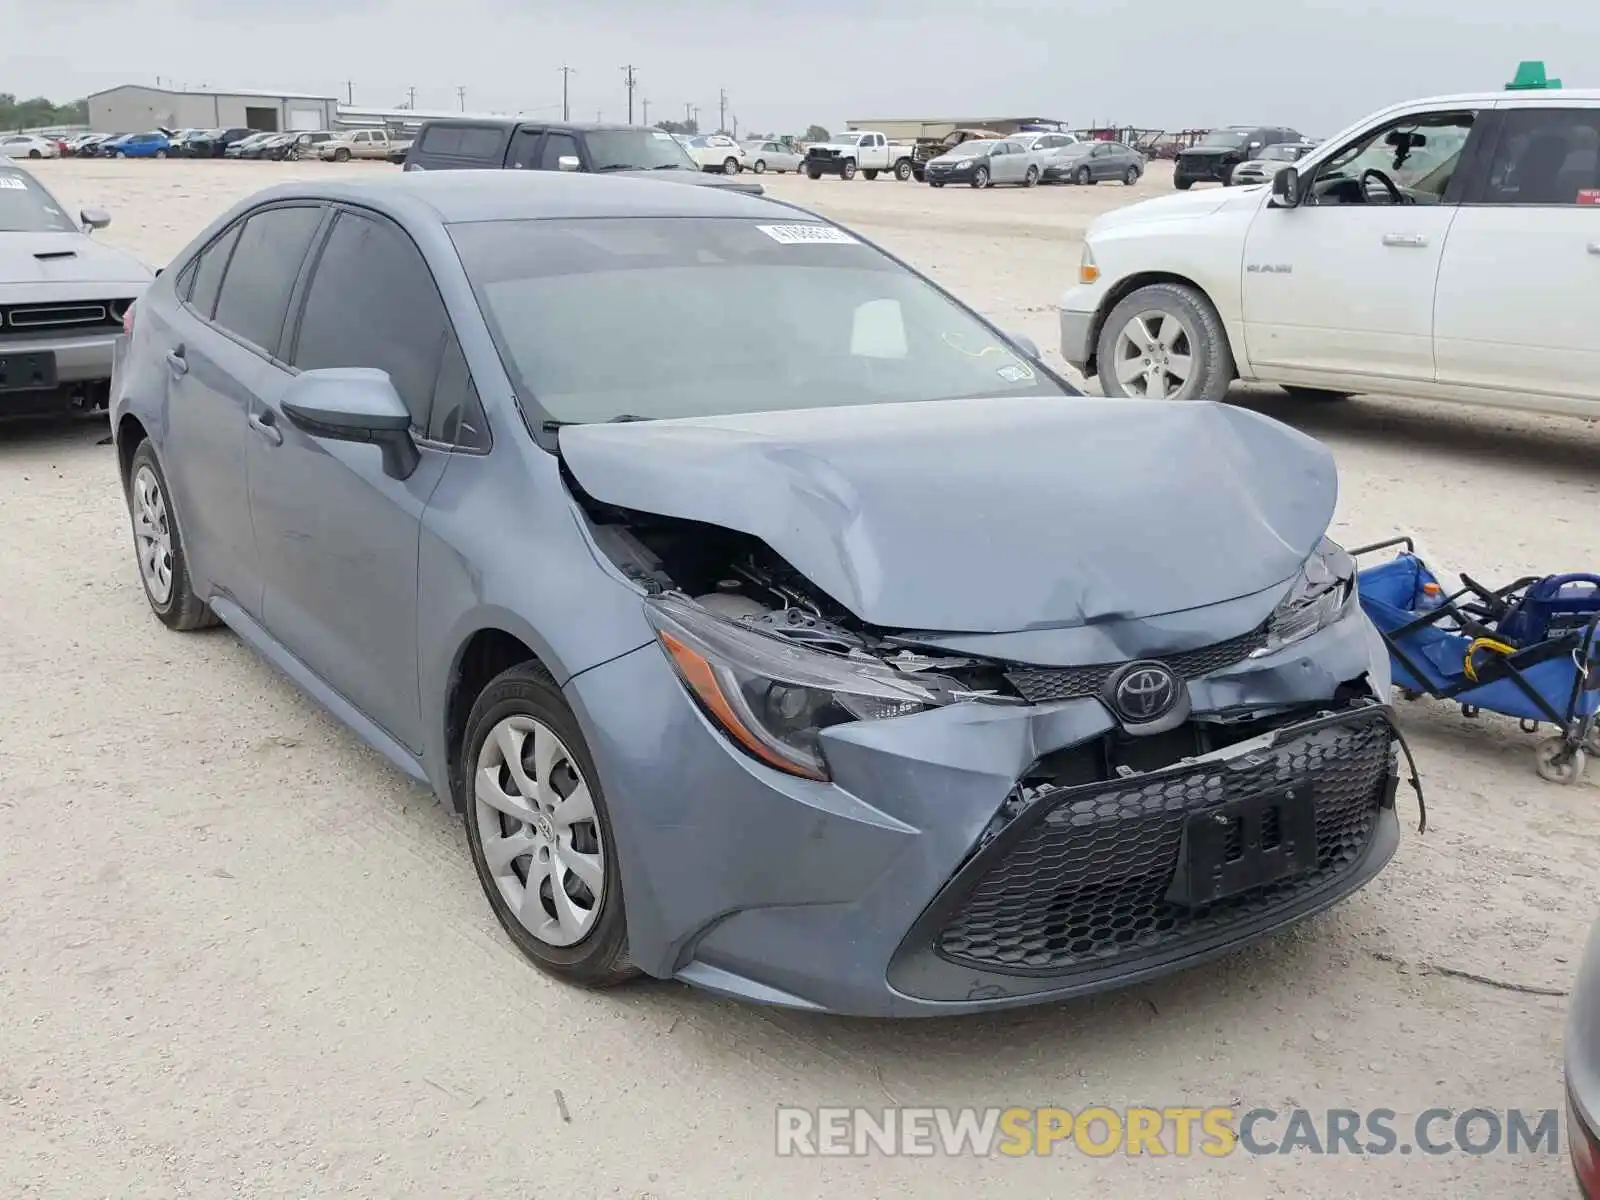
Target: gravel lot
[{"x": 242, "y": 956}]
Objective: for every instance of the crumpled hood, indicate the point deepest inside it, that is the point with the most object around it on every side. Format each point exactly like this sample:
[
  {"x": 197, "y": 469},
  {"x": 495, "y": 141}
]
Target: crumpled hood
[
  {"x": 988, "y": 516},
  {"x": 66, "y": 258}
]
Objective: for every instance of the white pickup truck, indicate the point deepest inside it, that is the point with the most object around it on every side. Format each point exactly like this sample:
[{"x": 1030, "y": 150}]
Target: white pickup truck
[
  {"x": 1442, "y": 248},
  {"x": 863, "y": 150}
]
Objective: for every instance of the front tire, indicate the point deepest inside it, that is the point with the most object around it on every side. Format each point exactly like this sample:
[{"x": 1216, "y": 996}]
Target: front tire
[
  {"x": 730, "y": 166},
  {"x": 1183, "y": 185},
  {"x": 980, "y": 177},
  {"x": 813, "y": 173},
  {"x": 1031, "y": 178},
  {"x": 1164, "y": 342},
  {"x": 848, "y": 171},
  {"x": 760, "y": 167},
  {"x": 540, "y": 831},
  {"x": 158, "y": 544},
  {"x": 122, "y": 154},
  {"x": 34, "y": 154},
  {"x": 1083, "y": 176},
  {"x": 161, "y": 153},
  {"x": 1130, "y": 177},
  {"x": 1318, "y": 395}
]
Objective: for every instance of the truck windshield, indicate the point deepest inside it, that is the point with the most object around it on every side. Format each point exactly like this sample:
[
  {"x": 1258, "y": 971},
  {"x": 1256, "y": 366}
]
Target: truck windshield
[
  {"x": 635, "y": 150},
  {"x": 681, "y": 317},
  {"x": 1229, "y": 139},
  {"x": 25, "y": 207}
]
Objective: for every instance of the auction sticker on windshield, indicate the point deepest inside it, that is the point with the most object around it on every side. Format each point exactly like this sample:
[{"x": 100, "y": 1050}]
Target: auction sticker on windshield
[
  {"x": 14, "y": 182},
  {"x": 808, "y": 235}
]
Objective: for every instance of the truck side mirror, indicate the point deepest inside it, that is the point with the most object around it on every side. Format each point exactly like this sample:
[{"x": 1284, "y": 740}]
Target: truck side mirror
[
  {"x": 568, "y": 162},
  {"x": 1286, "y": 188}
]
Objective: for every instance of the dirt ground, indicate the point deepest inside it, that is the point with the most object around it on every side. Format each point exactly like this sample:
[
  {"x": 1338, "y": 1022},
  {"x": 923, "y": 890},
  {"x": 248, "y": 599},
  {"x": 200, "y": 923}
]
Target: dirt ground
[{"x": 241, "y": 956}]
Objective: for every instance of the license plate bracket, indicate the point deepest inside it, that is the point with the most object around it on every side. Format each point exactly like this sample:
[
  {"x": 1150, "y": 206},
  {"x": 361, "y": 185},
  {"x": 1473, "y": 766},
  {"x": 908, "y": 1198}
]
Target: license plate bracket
[
  {"x": 28, "y": 372},
  {"x": 1232, "y": 847}
]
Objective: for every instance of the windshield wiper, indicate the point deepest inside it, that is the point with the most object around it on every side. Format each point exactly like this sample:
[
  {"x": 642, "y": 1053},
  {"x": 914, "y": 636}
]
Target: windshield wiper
[
  {"x": 553, "y": 426},
  {"x": 615, "y": 167},
  {"x": 671, "y": 167}
]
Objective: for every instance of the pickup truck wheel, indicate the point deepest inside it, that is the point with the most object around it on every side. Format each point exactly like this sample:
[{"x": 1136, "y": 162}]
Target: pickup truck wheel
[
  {"x": 341, "y": 155},
  {"x": 980, "y": 177},
  {"x": 871, "y": 174},
  {"x": 902, "y": 170},
  {"x": 1031, "y": 178},
  {"x": 848, "y": 171},
  {"x": 813, "y": 173},
  {"x": 1320, "y": 395},
  {"x": 760, "y": 167},
  {"x": 1164, "y": 342}
]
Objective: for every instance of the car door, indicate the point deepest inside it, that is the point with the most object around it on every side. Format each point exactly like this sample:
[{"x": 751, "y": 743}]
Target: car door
[
  {"x": 1344, "y": 283},
  {"x": 556, "y": 146},
  {"x": 524, "y": 153},
  {"x": 1522, "y": 262},
  {"x": 339, "y": 537}
]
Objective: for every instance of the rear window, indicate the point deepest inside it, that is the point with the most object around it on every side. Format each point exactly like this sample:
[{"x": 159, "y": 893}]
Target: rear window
[{"x": 464, "y": 141}]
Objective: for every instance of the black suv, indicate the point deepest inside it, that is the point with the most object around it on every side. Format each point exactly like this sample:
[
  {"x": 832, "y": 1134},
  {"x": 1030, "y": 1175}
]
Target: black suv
[
  {"x": 1215, "y": 156},
  {"x": 561, "y": 146}
]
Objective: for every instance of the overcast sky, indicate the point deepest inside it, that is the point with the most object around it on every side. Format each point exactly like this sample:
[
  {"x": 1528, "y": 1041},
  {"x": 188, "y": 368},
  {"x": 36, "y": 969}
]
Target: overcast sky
[{"x": 1315, "y": 64}]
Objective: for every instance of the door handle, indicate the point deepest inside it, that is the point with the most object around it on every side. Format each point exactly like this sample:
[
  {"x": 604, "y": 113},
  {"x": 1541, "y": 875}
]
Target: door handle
[
  {"x": 1413, "y": 240},
  {"x": 266, "y": 424},
  {"x": 176, "y": 363}
]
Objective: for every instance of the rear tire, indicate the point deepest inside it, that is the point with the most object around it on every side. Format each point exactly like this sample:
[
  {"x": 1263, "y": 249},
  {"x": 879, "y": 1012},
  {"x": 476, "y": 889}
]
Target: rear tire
[
  {"x": 730, "y": 166},
  {"x": 158, "y": 545},
  {"x": 341, "y": 155},
  {"x": 34, "y": 154},
  {"x": 760, "y": 167},
  {"x": 813, "y": 173},
  {"x": 1210, "y": 366},
  {"x": 902, "y": 170},
  {"x": 519, "y": 708},
  {"x": 1319, "y": 395},
  {"x": 871, "y": 174}
]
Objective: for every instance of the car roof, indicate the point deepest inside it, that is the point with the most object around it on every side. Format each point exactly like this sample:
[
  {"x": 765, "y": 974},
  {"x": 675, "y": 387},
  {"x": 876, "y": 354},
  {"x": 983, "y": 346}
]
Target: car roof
[{"x": 497, "y": 195}]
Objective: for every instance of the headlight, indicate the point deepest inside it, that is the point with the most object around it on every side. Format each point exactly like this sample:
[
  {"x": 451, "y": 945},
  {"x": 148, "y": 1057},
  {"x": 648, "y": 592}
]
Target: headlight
[
  {"x": 773, "y": 698},
  {"x": 1321, "y": 595},
  {"x": 961, "y": 164}
]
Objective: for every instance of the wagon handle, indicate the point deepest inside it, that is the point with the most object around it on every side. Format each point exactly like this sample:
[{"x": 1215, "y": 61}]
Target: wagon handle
[{"x": 1411, "y": 546}]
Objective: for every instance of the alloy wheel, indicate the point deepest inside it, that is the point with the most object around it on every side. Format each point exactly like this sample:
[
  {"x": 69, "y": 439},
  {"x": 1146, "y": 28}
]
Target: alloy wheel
[
  {"x": 1155, "y": 356},
  {"x": 538, "y": 830},
  {"x": 152, "y": 529}
]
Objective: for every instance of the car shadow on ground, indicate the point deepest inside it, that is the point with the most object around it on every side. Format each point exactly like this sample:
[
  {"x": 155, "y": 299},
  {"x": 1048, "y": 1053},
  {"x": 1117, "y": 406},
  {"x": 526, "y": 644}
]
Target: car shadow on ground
[
  {"x": 1438, "y": 430},
  {"x": 29, "y": 435}
]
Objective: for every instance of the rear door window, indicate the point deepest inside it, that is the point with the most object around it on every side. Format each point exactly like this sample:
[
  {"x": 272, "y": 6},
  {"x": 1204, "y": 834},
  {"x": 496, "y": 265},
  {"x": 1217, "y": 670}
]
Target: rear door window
[
  {"x": 261, "y": 274},
  {"x": 372, "y": 302},
  {"x": 204, "y": 276},
  {"x": 1546, "y": 156}
]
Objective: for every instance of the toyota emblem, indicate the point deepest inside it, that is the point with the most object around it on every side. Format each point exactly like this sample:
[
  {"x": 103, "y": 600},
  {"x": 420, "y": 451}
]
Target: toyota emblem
[{"x": 1144, "y": 691}]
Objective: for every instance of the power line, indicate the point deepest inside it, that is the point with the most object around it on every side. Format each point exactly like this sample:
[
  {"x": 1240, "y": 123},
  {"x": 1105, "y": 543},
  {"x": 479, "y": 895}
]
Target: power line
[
  {"x": 566, "y": 110},
  {"x": 627, "y": 72}
]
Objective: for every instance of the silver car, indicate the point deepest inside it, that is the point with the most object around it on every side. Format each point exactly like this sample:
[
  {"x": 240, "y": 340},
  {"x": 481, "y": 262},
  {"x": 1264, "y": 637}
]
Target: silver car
[
  {"x": 63, "y": 297},
  {"x": 1268, "y": 162},
  {"x": 764, "y": 156},
  {"x": 981, "y": 164}
]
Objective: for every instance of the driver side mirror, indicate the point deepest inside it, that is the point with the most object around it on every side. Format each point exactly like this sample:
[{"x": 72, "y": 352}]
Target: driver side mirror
[
  {"x": 568, "y": 162},
  {"x": 1286, "y": 188},
  {"x": 354, "y": 404},
  {"x": 94, "y": 218}
]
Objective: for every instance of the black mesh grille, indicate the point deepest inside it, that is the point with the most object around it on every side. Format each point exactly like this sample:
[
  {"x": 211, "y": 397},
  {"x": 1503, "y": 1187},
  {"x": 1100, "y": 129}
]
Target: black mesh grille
[
  {"x": 1085, "y": 885},
  {"x": 1040, "y": 685}
]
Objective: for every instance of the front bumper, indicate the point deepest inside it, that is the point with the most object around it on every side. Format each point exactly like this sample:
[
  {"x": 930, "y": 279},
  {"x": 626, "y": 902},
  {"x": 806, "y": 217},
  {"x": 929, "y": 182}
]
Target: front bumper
[
  {"x": 898, "y": 890},
  {"x": 83, "y": 365},
  {"x": 1077, "y": 339},
  {"x": 826, "y": 164},
  {"x": 1204, "y": 170}
]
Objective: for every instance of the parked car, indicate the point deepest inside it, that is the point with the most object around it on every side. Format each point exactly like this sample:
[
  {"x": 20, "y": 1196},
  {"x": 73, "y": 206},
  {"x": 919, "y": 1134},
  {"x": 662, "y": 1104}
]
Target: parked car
[
  {"x": 981, "y": 164},
  {"x": 764, "y": 156},
  {"x": 142, "y": 145},
  {"x": 63, "y": 297},
  {"x": 716, "y": 152},
  {"x": 1046, "y": 146},
  {"x": 295, "y": 146},
  {"x": 861, "y": 150},
  {"x": 562, "y": 146},
  {"x": 1339, "y": 278},
  {"x": 359, "y": 143},
  {"x": 1270, "y": 160},
  {"x": 27, "y": 145},
  {"x": 1215, "y": 156},
  {"x": 1093, "y": 162},
  {"x": 249, "y": 147},
  {"x": 1583, "y": 1071},
  {"x": 214, "y": 143},
  {"x": 81, "y": 145},
  {"x": 805, "y": 753}
]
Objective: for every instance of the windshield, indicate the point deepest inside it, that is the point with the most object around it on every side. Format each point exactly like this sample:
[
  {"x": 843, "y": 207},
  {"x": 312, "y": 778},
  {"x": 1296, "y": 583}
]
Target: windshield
[
  {"x": 1284, "y": 152},
  {"x": 25, "y": 207},
  {"x": 1229, "y": 139},
  {"x": 970, "y": 149},
  {"x": 688, "y": 317},
  {"x": 635, "y": 149}
]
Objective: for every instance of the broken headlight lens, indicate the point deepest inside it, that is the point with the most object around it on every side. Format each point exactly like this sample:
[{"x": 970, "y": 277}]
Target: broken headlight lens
[
  {"x": 1321, "y": 595},
  {"x": 773, "y": 698}
]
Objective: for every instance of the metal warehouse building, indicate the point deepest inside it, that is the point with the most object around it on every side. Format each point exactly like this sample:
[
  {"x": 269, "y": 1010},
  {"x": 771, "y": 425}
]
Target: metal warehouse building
[{"x": 134, "y": 109}]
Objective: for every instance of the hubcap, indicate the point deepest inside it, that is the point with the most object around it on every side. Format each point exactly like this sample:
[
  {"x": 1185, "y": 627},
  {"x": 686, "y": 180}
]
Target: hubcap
[
  {"x": 538, "y": 831},
  {"x": 152, "y": 533},
  {"x": 1155, "y": 357}
]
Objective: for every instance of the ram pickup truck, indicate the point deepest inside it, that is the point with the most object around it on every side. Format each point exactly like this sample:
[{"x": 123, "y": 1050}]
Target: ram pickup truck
[
  {"x": 361, "y": 143},
  {"x": 863, "y": 150}
]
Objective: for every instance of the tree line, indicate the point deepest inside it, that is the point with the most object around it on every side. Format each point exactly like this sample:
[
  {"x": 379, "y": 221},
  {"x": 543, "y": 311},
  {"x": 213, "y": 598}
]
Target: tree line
[{"x": 39, "y": 112}]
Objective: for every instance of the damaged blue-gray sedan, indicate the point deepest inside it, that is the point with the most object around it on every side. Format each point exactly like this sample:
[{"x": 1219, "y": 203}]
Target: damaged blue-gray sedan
[{"x": 777, "y": 624}]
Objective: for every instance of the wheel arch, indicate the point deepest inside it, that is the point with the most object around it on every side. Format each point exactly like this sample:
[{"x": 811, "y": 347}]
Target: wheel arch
[
  {"x": 484, "y": 654},
  {"x": 1121, "y": 290},
  {"x": 130, "y": 432}
]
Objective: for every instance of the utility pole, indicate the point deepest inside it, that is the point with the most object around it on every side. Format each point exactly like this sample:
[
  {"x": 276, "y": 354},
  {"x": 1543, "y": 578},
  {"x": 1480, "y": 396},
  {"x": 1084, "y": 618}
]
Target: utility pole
[
  {"x": 627, "y": 72},
  {"x": 461, "y": 94},
  {"x": 599, "y": 116},
  {"x": 411, "y": 98},
  {"x": 644, "y": 102},
  {"x": 722, "y": 110},
  {"x": 566, "y": 111},
  {"x": 687, "y": 109},
  {"x": 349, "y": 91}
]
